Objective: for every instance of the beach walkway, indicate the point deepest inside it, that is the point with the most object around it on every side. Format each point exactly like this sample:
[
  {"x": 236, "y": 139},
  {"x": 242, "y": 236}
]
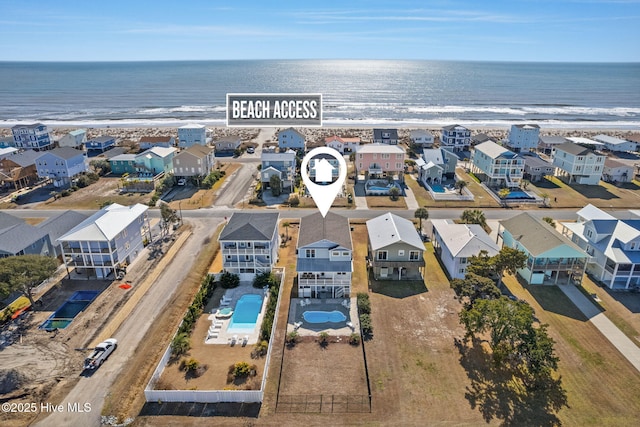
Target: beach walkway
[{"x": 619, "y": 340}]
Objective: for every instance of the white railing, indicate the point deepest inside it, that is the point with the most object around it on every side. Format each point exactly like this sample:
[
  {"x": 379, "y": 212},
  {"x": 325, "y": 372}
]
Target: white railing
[
  {"x": 322, "y": 282},
  {"x": 213, "y": 396}
]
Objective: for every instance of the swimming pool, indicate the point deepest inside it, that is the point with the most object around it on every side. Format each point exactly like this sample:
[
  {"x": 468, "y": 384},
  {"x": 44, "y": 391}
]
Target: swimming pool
[
  {"x": 62, "y": 317},
  {"x": 437, "y": 188},
  {"x": 324, "y": 316},
  {"x": 517, "y": 194},
  {"x": 246, "y": 313}
]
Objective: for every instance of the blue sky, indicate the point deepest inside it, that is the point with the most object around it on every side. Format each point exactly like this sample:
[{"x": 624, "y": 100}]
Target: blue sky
[{"x": 516, "y": 30}]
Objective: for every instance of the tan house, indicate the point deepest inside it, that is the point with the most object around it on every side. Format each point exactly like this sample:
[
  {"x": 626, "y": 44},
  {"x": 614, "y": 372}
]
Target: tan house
[
  {"x": 19, "y": 170},
  {"x": 197, "y": 160}
]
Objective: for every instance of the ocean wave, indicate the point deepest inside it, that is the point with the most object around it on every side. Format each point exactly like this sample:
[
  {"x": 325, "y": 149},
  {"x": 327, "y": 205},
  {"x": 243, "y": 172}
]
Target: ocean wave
[{"x": 182, "y": 109}]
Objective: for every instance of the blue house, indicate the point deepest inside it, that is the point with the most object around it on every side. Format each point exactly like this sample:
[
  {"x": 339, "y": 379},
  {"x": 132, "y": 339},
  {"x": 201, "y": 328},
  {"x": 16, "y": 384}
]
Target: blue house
[
  {"x": 123, "y": 163},
  {"x": 281, "y": 164},
  {"x": 34, "y": 137},
  {"x": 290, "y": 139},
  {"x": 101, "y": 143},
  {"x": 60, "y": 165},
  {"x": 552, "y": 258}
]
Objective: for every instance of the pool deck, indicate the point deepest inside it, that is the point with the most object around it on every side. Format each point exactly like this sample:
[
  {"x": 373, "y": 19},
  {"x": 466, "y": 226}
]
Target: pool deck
[
  {"x": 224, "y": 336},
  {"x": 316, "y": 304}
]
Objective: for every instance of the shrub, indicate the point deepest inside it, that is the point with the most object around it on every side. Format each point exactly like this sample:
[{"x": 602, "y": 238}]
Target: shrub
[
  {"x": 354, "y": 338},
  {"x": 364, "y": 304},
  {"x": 65, "y": 193},
  {"x": 365, "y": 324},
  {"x": 241, "y": 369},
  {"x": 267, "y": 322},
  {"x": 292, "y": 337},
  {"x": 294, "y": 200},
  {"x": 323, "y": 338},
  {"x": 154, "y": 200},
  {"x": 189, "y": 365},
  {"x": 260, "y": 349},
  {"x": 229, "y": 280},
  {"x": 265, "y": 279},
  {"x": 180, "y": 344}
]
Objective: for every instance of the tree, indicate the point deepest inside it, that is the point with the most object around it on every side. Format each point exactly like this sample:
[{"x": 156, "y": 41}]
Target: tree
[
  {"x": 276, "y": 185},
  {"x": 524, "y": 183},
  {"x": 286, "y": 226},
  {"x": 549, "y": 221},
  {"x": 180, "y": 344},
  {"x": 545, "y": 199},
  {"x": 503, "y": 194},
  {"x": 460, "y": 185},
  {"x": 23, "y": 273},
  {"x": 482, "y": 265},
  {"x": 474, "y": 216},
  {"x": 421, "y": 213},
  {"x": 169, "y": 216},
  {"x": 474, "y": 287},
  {"x": 394, "y": 192},
  {"x": 509, "y": 260}
]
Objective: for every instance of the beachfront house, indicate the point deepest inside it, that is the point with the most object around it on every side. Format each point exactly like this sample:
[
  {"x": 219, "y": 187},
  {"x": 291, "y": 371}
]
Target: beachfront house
[
  {"x": 32, "y": 137},
  {"x": 546, "y": 143},
  {"x": 19, "y": 238},
  {"x": 249, "y": 243},
  {"x": 616, "y": 144},
  {"x": 19, "y": 170},
  {"x": 290, "y": 139},
  {"x": 385, "y": 136},
  {"x": 536, "y": 168},
  {"x": 324, "y": 256},
  {"x": 612, "y": 244},
  {"x": 343, "y": 144},
  {"x": 7, "y": 141},
  {"x": 282, "y": 165},
  {"x": 197, "y": 160},
  {"x": 496, "y": 166},
  {"x": 577, "y": 164},
  {"x": 435, "y": 165},
  {"x": 380, "y": 161},
  {"x": 8, "y": 151},
  {"x": 523, "y": 137},
  {"x": 148, "y": 142},
  {"x": 455, "y": 244},
  {"x": 192, "y": 134},
  {"x": 227, "y": 144},
  {"x": 395, "y": 248},
  {"x": 107, "y": 241},
  {"x": 61, "y": 165},
  {"x": 422, "y": 138},
  {"x": 100, "y": 144},
  {"x": 123, "y": 164},
  {"x": 321, "y": 162},
  {"x": 455, "y": 138},
  {"x": 551, "y": 257},
  {"x": 479, "y": 138},
  {"x": 74, "y": 139},
  {"x": 156, "y": 160},
  {"x": 615, "y": 171}
]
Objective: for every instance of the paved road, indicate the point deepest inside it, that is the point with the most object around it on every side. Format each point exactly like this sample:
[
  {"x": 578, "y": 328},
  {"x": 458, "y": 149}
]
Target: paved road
[
  {"x": 235, "y": 188},
  {"x": 93, "y": 389},
  {"x": 611, "y": 332}
]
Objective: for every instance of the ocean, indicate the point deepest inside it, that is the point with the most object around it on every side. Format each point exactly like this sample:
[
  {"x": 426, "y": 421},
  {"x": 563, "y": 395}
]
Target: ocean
[{"x": 355, "y": 92}]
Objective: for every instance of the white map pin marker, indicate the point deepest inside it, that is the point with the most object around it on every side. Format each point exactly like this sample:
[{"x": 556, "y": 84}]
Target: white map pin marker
[{"x": 323, "y": 195}]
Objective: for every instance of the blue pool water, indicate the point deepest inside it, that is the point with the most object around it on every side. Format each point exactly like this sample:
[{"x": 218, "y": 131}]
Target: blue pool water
[
  {"x": 437, "y": 188},
  {"x": 63, "y": 316},
  {"x": 324, "y": 316},
  {"x": 246, "y": 313},
  {"x": 518, "y": 195},
  {"x": 375, "y": 188}
]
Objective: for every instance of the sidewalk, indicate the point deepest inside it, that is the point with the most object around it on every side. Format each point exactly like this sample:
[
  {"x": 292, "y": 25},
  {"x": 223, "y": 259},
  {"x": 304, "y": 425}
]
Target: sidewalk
[
  {"x": 410, "y": 198},
  {"x": 619, "y": 340}
]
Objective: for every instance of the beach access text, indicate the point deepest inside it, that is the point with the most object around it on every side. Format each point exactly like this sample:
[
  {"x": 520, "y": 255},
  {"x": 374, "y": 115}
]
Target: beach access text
[{"x": 274, "y": 110}]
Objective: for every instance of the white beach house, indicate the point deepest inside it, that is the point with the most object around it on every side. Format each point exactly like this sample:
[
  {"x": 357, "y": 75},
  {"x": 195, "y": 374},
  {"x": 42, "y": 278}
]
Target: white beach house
[
  {"x": 523, "y": 137},
  {"x": 578, "y": 164}
]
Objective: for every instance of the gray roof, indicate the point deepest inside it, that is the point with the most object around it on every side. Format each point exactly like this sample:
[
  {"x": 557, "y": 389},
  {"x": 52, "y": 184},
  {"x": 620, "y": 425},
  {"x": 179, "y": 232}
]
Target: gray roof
[
  {"x": 393, "y": 133},
  {"x": 102, "y": 138},
  {"x": 31, "y": 126},
  {"x": 322, "y": 264},
  {"x": 481, "y": 137},
  {"x": 26, "y": 158},
  {"x": 289, "y": 155},
  {"x": 8, "y": 220},
  {"x": 124, "y": 158},
  {"x": 452, "y": 127},
  {"x": 610, "y": 140},
  {"x": 494, "y": 150},
  {"x": 59, "y": 225},
  {"x": 250, "y": 226},
  {"x": 389, "y": 228},
  {"x": 464, "y": 240},
  {"x": 333, "y": 228},
  {"x": 536, "y": 162},
  {"x": 575, "y": 149},
  {"x": 19, "y": 236},
  {"x": 536, "y": 235},
  {"x": 552, "y": 139},
  {"x": 63, "y": 153}
]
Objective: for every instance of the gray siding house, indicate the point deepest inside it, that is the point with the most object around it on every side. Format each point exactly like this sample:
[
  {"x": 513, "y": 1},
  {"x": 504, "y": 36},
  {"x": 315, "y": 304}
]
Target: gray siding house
[
  {"x": 249, "y": 244},
  {"x": 395, "y": 248},
  {"x": 197, "y": 160}
]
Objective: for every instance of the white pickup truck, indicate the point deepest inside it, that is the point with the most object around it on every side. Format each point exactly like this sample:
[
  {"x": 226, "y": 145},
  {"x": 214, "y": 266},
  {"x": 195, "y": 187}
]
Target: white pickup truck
[{"x": 100, "y": 353}]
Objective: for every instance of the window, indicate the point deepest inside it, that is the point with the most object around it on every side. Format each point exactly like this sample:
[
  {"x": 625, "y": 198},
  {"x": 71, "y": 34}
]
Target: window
[
  {"x": 580, "y": 158},
  {"x": 345, "y": 253},
  {"x": 310, "y": 253},
  {"x": 632, "y": 246},
  {"x": 461, "y": 271},
  {"x": 382, "y": 255},
  {"x": 463, "y": 260},
  {"x": 414, "y": 255},
  {"x": 335, "y": 253},
  {"x": 401, "y": 252}
]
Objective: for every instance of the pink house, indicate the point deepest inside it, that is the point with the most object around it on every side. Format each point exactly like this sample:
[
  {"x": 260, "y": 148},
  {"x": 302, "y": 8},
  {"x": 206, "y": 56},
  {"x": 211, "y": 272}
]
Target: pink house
[{"x": 380, "y": 161}]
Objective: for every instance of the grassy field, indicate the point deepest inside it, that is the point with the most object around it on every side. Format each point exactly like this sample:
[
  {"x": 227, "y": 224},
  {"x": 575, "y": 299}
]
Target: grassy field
[
  {"x": 598, "y": 379},
  {"x": 376, "y": 202},
  {"x": 605, "y": 195}
]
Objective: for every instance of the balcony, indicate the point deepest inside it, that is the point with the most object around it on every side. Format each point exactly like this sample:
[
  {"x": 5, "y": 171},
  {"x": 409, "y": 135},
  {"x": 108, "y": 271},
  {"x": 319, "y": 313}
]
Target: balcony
[
  {"x": 246, "y": 251},
  {"x": 314, "y": 280}
]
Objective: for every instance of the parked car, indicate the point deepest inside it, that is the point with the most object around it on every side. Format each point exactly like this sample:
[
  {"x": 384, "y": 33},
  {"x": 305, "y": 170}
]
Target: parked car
[
  {"x": 251, "y": 150},
  {"x": 100, "y": 353},
  {"x": 182, "y": 181}
]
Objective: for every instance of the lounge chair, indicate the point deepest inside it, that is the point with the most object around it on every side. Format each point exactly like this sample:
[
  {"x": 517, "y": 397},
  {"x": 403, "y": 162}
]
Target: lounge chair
[
  {"x": 245, "y": 340},
  {"x": 307, "y": 301},
  {"x": 302, "y": 303},
  {"x": 297, "y": 325},
  {"x": 233, "y": 340},
  {"x": 346, "y": 303},
  {"x": 212, "y": 335},
  {"x": 349, "y": 324}
]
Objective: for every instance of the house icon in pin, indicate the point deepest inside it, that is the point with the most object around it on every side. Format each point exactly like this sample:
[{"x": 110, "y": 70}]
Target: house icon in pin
[{"x": 323, "y": 171}]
